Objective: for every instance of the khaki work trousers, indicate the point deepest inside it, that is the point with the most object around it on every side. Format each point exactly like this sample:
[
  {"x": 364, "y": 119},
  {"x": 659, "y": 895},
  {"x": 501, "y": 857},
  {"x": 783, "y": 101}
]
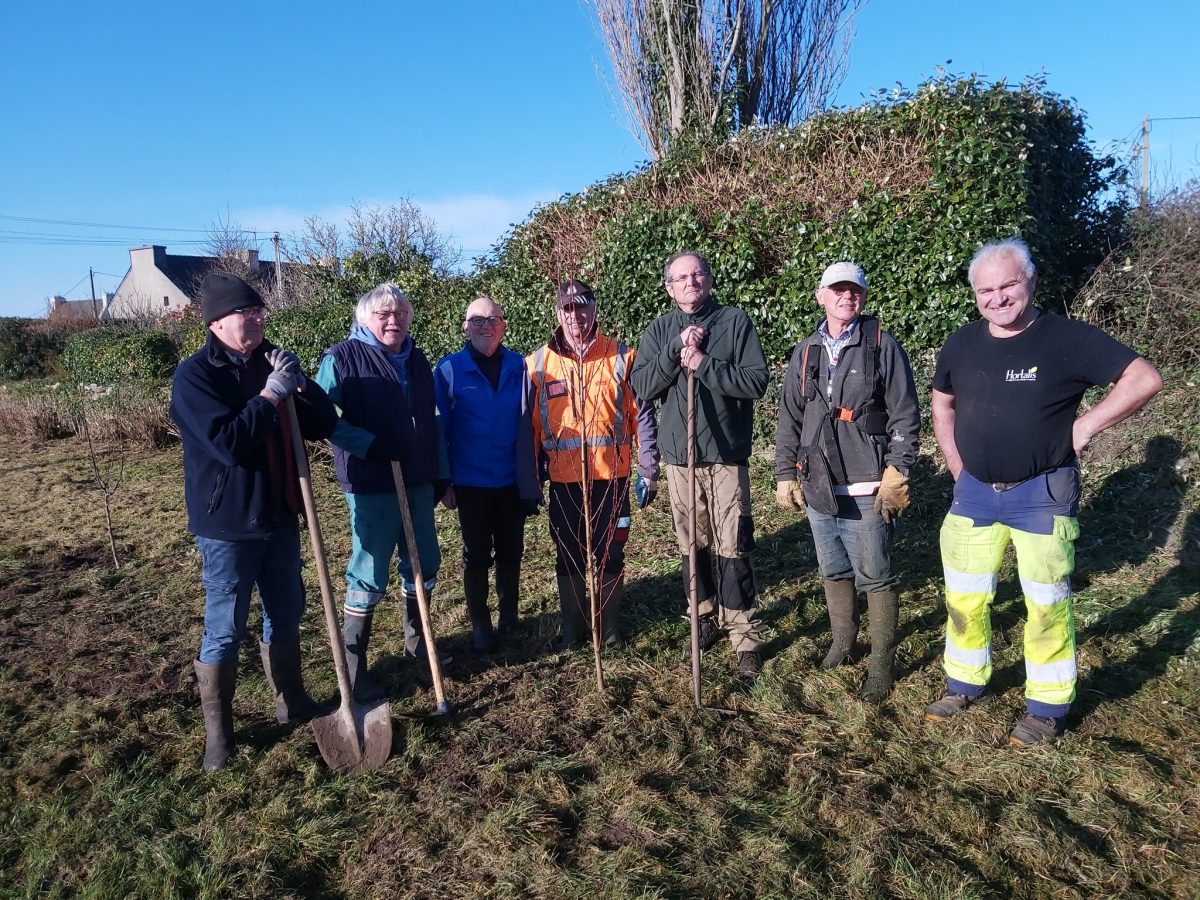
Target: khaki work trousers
[{"x": 724, "y": 527}]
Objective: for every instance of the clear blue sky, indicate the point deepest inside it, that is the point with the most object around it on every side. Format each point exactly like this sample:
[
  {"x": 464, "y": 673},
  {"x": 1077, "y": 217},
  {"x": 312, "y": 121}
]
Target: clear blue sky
[{"x": 170, "y": 116}]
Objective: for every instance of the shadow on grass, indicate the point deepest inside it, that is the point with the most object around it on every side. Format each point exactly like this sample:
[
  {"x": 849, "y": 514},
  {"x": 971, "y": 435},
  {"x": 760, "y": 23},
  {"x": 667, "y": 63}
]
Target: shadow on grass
[
  {"x": 1129, "y": 518},
  {"x": 1118, "y": 680}
]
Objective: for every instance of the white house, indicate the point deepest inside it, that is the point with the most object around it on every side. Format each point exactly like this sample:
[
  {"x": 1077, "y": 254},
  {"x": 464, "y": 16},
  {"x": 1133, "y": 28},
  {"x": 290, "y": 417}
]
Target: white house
[{"x": 159, "y": 283}]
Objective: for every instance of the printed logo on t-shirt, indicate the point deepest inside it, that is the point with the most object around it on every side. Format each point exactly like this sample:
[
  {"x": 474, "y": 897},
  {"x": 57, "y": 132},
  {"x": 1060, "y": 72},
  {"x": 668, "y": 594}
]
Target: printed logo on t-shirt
[{"x": 1029, "y": 374}]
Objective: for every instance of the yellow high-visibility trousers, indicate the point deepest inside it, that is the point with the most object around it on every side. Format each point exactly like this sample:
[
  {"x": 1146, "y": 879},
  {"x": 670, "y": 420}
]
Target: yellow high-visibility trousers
[{"x": 971, "y": 556}]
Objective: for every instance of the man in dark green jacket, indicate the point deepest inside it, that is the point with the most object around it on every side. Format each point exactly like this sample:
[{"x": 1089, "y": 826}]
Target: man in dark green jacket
[{"x": 719, "y": 344}]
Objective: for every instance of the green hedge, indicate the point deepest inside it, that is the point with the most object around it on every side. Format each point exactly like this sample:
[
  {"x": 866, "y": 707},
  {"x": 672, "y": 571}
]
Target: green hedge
[
  {"x": 25, "y": 351},
  {"x": 1000, "y": 161},
  {"x": 111, "y": 355}
]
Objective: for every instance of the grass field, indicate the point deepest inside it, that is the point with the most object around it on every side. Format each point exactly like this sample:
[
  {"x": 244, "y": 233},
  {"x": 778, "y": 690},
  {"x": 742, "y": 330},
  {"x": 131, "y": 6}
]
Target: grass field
[{"x": 539, "y": 787}]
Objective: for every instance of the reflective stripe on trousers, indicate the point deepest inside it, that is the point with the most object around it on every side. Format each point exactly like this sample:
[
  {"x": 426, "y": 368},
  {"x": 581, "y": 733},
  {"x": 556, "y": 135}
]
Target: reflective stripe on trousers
[{"x": 971, "y": 557}]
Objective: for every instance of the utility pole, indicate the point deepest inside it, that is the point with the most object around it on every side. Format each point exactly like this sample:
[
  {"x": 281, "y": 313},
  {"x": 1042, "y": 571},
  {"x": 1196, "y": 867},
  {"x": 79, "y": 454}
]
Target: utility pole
[
  {"x": 92, "y": 279},
  {"x": 1145, "y": 162},
  {"x": 278, "y": 270}
]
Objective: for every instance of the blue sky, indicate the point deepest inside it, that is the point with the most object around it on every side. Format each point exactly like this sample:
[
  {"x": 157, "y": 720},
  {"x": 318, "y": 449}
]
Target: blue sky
[{"x": 172, "y": 116}]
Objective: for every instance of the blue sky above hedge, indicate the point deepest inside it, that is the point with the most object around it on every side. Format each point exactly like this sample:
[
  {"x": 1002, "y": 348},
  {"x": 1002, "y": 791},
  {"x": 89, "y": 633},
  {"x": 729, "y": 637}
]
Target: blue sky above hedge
[{"x": 172, "y": 116}]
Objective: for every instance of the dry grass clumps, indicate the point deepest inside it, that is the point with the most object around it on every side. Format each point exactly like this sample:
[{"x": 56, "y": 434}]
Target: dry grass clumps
[
  {"x": 1147, "y": 292},
  {"x": 813, "y": 174},
  {"x": 56, "y": 411}
]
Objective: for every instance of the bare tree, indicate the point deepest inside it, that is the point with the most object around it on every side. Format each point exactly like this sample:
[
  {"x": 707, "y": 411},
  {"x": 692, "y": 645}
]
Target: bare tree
[
  {"x": 709, "y": 67},
  {"x": 399, "y": 235}
]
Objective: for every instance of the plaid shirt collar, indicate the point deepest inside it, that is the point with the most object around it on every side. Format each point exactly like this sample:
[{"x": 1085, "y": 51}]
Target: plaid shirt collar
[{"x": 834, "y": 346}]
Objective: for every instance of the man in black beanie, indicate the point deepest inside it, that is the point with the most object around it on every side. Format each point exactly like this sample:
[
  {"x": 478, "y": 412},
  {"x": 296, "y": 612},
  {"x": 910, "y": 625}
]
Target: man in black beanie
[{"x": 242, "y": 495}]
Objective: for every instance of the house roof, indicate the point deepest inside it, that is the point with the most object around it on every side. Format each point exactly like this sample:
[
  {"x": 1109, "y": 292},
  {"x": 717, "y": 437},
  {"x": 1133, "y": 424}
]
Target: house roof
[
  {"x": 186, "y": 272},
  {"x": 76, "y": 309}
]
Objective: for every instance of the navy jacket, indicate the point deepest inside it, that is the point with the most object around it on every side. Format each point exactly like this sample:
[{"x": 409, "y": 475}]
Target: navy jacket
[
  {"x": 365, "y": 386},
  {"x": 234, "y": 470}
]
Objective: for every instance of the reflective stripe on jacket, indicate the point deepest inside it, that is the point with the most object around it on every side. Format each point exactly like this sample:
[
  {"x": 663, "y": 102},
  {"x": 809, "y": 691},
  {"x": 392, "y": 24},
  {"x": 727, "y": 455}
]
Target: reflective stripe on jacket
[{"x": 584, "y": 402}]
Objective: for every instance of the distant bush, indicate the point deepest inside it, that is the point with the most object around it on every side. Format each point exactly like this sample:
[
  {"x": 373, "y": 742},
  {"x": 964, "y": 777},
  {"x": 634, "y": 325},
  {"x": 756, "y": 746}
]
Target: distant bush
[
  {"x": 1147, "y": 292},
  {"x": 112, "y": 355}
]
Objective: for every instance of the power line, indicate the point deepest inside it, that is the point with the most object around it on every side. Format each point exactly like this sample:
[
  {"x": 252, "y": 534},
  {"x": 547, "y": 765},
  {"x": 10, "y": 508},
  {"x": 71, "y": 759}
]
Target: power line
[{"x": 98, "y": 224}]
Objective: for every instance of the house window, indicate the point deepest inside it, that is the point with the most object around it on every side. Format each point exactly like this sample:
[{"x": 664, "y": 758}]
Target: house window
[{"x": 166, "y": 301}]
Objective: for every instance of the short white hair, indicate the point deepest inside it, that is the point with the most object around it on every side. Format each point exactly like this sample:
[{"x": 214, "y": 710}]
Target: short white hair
[
  {"x": 385, "y": 296},
  {"x": 1013, "y": 246}
]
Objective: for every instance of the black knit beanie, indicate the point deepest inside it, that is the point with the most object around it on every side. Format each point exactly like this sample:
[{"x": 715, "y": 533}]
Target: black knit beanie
[{"x": 222, "y": 293}]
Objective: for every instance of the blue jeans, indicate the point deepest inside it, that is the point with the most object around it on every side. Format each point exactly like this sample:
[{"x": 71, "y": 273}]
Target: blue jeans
[
  {"x": 230, "y": 570},
  {"x": 377, "y": 532},
  {"x": 856, "y": 543}
]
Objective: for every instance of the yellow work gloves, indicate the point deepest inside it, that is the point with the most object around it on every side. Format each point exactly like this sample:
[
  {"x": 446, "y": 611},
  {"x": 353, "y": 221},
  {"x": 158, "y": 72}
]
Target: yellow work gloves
[
  {"x": 789, "y": 495},
  {"x": 892, "y": 497}
]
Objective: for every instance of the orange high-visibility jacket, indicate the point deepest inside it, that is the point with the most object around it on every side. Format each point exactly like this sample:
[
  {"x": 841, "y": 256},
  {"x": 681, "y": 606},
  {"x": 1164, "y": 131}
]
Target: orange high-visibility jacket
[{"x": 584, "y": 411}]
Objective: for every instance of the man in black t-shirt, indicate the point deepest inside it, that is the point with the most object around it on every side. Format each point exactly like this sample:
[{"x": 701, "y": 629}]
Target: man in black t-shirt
[{"x": 1005, "y": 396}]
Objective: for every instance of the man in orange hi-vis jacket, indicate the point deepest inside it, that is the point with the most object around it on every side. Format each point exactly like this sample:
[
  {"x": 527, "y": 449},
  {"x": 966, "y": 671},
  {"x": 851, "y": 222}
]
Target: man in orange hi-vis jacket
[{"x": 586, "y": 420}]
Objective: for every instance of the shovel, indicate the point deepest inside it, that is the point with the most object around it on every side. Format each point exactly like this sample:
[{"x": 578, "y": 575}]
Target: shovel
[
  {"x": 435, "y": 665},
  {"x": 353, "y": 738},
  {"x": 693, "y": 575}
]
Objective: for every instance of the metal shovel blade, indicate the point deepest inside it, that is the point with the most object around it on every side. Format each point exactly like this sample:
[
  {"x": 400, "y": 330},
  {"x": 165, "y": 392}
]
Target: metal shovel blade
[{"x": 355, "y": 738}]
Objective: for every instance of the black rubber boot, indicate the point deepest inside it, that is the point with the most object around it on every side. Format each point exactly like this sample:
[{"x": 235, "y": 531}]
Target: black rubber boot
[
  {"x": 414, "y": 631},
  {"x": 217, "y": 683},
  {"x": 883, "y": 610},
  {"x": 572, "y": 604},
  {"x": 356, "y": 632},
  {"x": 475, "y": 589},
  {"x": 281, "y": 663},
  {"x": 613, "y": 593},
  {"x": 508, "y": 594},
  {"x": 842, "y": 600}
]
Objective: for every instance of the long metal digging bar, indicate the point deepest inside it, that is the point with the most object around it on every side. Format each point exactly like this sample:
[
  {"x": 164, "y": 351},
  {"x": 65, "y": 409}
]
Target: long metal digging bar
[
  {"x": 693, "y": 575},
  {"x": 353, "y": 738},
  {"x": 435, "y": 665}
]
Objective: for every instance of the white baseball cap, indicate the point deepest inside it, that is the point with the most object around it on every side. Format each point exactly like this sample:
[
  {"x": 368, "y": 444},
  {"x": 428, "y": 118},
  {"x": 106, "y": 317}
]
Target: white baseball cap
[{"x": 844, "y": 271}]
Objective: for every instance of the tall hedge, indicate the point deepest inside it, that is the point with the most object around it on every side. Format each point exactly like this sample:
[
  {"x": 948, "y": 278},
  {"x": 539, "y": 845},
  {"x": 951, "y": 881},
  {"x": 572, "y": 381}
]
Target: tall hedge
[
  {"x": 908, "y": 186},
  {"x": 112, "y": 355}
]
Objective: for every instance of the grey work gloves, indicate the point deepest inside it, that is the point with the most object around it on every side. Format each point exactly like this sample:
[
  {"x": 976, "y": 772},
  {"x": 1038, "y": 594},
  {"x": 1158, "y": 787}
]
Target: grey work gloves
[
  {"x": 790, "y": 495},
  {"x": 892, "y": 498},
  {"x": 287, "y": 377},
  {"x": 282, "y": 385}
]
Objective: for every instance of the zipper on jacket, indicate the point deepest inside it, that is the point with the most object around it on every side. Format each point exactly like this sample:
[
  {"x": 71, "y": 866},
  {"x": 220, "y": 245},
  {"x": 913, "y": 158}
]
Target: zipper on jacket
[{"x": 215, "y": 500}]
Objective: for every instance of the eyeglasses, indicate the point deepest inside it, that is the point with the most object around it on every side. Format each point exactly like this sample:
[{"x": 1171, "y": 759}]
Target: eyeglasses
[
  {"x": 689, "y": 276},
  {"x": 480, "y": 321},
  {"x": 400, "y": 314},
  {"x": 251, "y": 312}
]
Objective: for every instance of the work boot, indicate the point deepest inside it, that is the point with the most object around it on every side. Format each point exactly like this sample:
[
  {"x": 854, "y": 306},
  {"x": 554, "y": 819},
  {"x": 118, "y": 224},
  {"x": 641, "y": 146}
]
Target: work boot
[
  {"x": 710, "y": 633},
  {"x": 572, "y": 601},
  {"x": 950, "y": 705},
  {"x": 1035, "y": 729},
  {"x": 749, "y": 663},
  {"x": 356, "y": 632},
  {"x": 414, "y": 632},
  {"x": 842, "y": 600},
  {"x": 883, "y": 608},
  {"x": 217, "y": 682},
  {"x": 475, "y": 587},
  {"x": 613, "y": 594},
  {"x": 281, "y": 663},
  {"x": 508, "y": 593}
]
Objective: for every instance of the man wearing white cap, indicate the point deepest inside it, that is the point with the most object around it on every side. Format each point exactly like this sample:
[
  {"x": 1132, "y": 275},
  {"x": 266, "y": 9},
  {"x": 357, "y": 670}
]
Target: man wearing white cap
[{"x": 848, "y": 429}]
